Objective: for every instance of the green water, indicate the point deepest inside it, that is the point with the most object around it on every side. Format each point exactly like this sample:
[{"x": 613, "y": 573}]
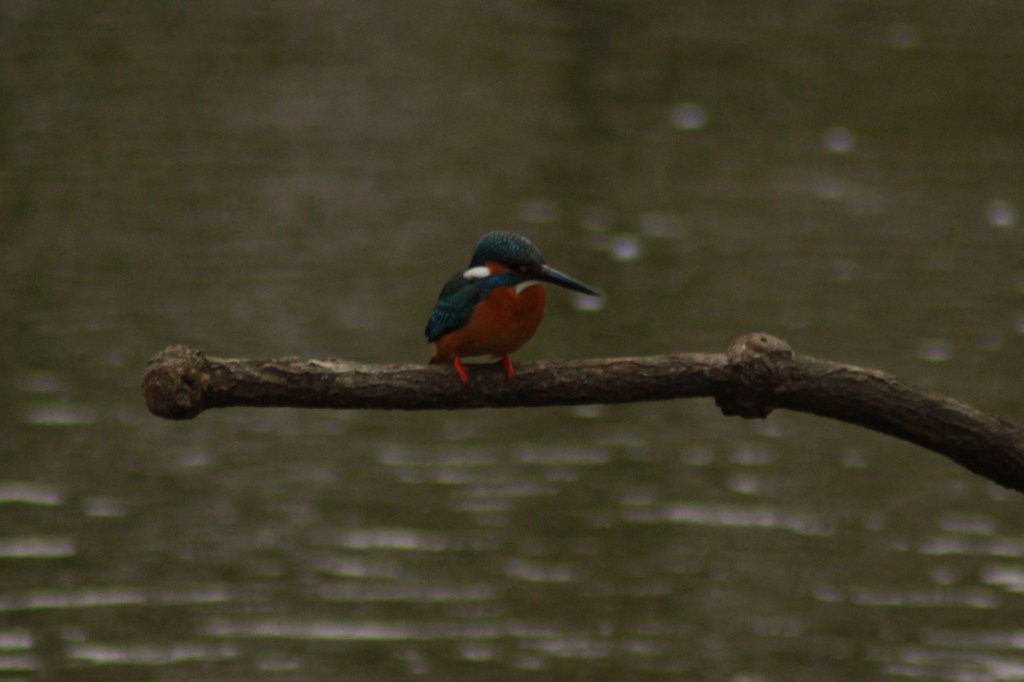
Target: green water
[{"x": 300, "y": 179}]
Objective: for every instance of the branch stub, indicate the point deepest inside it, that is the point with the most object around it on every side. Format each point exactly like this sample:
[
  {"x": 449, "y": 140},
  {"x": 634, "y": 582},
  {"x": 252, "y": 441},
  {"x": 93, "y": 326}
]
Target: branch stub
[
  {"x": 757, "y": 366},
  {"x": 175, "y": 381}
]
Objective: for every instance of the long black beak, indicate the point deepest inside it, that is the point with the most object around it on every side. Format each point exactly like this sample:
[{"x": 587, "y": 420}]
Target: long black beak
[{"x": 549, "y": 274}]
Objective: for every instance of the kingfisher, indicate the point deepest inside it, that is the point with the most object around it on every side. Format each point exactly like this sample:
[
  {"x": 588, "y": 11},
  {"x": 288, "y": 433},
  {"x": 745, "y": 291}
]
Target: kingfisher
[{"x": 493, "y": 308}]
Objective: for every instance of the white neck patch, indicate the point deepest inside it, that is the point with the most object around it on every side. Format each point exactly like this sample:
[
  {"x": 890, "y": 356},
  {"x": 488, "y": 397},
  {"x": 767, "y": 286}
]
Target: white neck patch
[
  {"x": 523, "y": 286},
  {"x": 479, "y": 272}
]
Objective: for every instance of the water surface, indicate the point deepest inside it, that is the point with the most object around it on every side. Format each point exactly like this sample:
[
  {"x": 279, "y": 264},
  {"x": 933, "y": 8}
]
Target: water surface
[{"x": 300, "y": 179}]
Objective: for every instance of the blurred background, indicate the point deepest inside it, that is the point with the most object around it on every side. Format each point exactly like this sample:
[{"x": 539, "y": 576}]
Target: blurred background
[{"x": 267, "y": 179}]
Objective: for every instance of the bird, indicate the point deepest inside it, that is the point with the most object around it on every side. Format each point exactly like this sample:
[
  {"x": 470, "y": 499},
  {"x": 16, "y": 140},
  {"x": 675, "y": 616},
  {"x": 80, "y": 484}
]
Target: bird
[{"x": 494, "y": 307}]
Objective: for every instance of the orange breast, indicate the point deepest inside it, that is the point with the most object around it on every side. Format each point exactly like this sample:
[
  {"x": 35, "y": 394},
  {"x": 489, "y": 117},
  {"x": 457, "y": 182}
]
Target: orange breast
[{"x": 498, "y": 326}]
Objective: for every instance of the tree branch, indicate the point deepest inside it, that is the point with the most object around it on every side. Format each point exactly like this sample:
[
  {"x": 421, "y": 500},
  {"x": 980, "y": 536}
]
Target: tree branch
[{"x": 758, "y": 374}]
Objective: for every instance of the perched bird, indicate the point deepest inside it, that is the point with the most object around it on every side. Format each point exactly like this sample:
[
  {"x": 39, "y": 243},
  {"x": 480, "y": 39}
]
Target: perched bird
[{"x": 494, "y": 307}]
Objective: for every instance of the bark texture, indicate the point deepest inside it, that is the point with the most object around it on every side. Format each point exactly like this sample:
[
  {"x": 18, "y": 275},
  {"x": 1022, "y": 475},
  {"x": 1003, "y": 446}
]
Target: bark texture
[{"x": 758, "y": 374}]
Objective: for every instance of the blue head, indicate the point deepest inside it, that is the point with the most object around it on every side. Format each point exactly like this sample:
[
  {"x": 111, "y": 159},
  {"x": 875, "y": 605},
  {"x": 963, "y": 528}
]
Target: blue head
[
  {"x": 523, "y": 259},
  {"x": 511, "y": 250}
]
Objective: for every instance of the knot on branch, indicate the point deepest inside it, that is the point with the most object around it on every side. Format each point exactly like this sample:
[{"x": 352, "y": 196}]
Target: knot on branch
[
  {"x": 175, "y": 382},
  {"x": 757, "y": 366}
]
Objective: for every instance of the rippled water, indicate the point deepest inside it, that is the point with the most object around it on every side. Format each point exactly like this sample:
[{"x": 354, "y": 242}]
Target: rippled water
[{"x": 301, "y": 179}]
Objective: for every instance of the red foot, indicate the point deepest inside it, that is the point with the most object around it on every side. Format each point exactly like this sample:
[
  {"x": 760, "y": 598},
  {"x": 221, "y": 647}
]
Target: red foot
[
  {"x": 510, "y": 371},
  {"x": 461, "y": 369}
]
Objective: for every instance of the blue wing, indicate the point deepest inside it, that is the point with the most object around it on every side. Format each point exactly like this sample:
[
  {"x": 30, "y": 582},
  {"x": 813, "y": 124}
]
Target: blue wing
[
  {"x": 454, "y": 306},
  {"x": 458, "y": 299}
]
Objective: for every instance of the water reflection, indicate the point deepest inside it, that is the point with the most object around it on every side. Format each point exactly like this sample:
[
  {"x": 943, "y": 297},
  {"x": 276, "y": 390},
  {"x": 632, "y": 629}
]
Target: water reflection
[
  {"x": 732, "y": 516},
  {"x": 25, "y": 492},
  {"x": 267, "y": 180},
  {"x": 154, "y": 654},
  {"x": 61, "y": 414},
  {"x": 1001, "y": 213},
  {"x": 34, "y": 547},
  {"x": 105, "y": 597},
  {"x": 1008, "y": 577}
]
